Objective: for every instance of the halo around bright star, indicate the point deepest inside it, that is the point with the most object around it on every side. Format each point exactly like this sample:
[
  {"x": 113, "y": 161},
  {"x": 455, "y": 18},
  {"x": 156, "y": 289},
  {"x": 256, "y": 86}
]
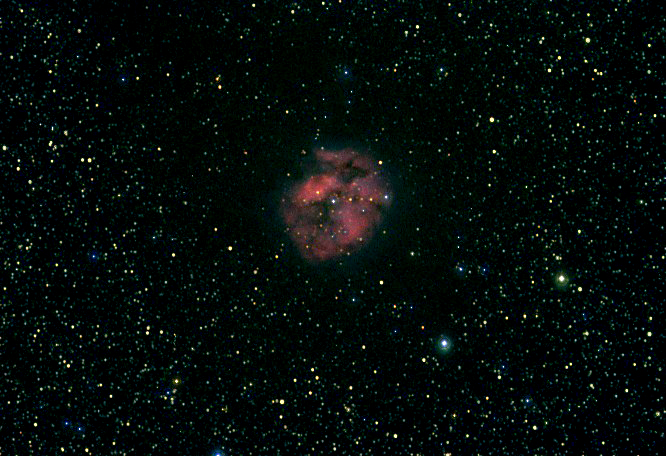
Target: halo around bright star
[
  {"x": 562, "y": 279},
  {"x": 443, "y": 344}
]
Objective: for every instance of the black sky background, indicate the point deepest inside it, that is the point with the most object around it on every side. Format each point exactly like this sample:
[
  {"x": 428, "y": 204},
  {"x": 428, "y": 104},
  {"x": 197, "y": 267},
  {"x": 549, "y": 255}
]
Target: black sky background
[{"x": 152, "y": 302}]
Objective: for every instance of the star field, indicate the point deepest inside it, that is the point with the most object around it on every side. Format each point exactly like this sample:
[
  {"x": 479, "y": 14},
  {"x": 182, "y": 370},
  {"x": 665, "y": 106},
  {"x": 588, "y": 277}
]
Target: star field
[{"x": 153, "y": 301}]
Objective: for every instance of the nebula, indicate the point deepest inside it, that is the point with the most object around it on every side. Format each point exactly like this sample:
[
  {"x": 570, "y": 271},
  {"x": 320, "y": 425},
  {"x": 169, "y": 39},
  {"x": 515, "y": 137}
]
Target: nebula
[{"x": 335, "y": 210}]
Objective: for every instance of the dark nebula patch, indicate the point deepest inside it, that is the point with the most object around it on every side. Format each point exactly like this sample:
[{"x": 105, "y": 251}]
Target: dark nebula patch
[{"x": 335, "y": 210}]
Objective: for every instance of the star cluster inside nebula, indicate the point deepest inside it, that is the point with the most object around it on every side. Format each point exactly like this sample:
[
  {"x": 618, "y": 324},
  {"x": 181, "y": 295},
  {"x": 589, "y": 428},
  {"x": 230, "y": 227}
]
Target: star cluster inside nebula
[{"x": 336, "y": 210}]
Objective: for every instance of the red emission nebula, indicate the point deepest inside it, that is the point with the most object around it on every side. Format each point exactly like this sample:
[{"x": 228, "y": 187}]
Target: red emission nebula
[{"x": 336, "y": 210}]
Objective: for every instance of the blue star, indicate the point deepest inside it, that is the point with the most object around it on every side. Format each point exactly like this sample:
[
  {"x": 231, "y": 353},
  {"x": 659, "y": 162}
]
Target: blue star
[{"x": 444, "y": 345}]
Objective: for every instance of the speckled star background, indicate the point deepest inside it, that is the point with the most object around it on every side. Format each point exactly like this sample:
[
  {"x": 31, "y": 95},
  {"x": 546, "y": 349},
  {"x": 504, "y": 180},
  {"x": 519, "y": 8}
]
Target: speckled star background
[{"x": 153, "y": 302}]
